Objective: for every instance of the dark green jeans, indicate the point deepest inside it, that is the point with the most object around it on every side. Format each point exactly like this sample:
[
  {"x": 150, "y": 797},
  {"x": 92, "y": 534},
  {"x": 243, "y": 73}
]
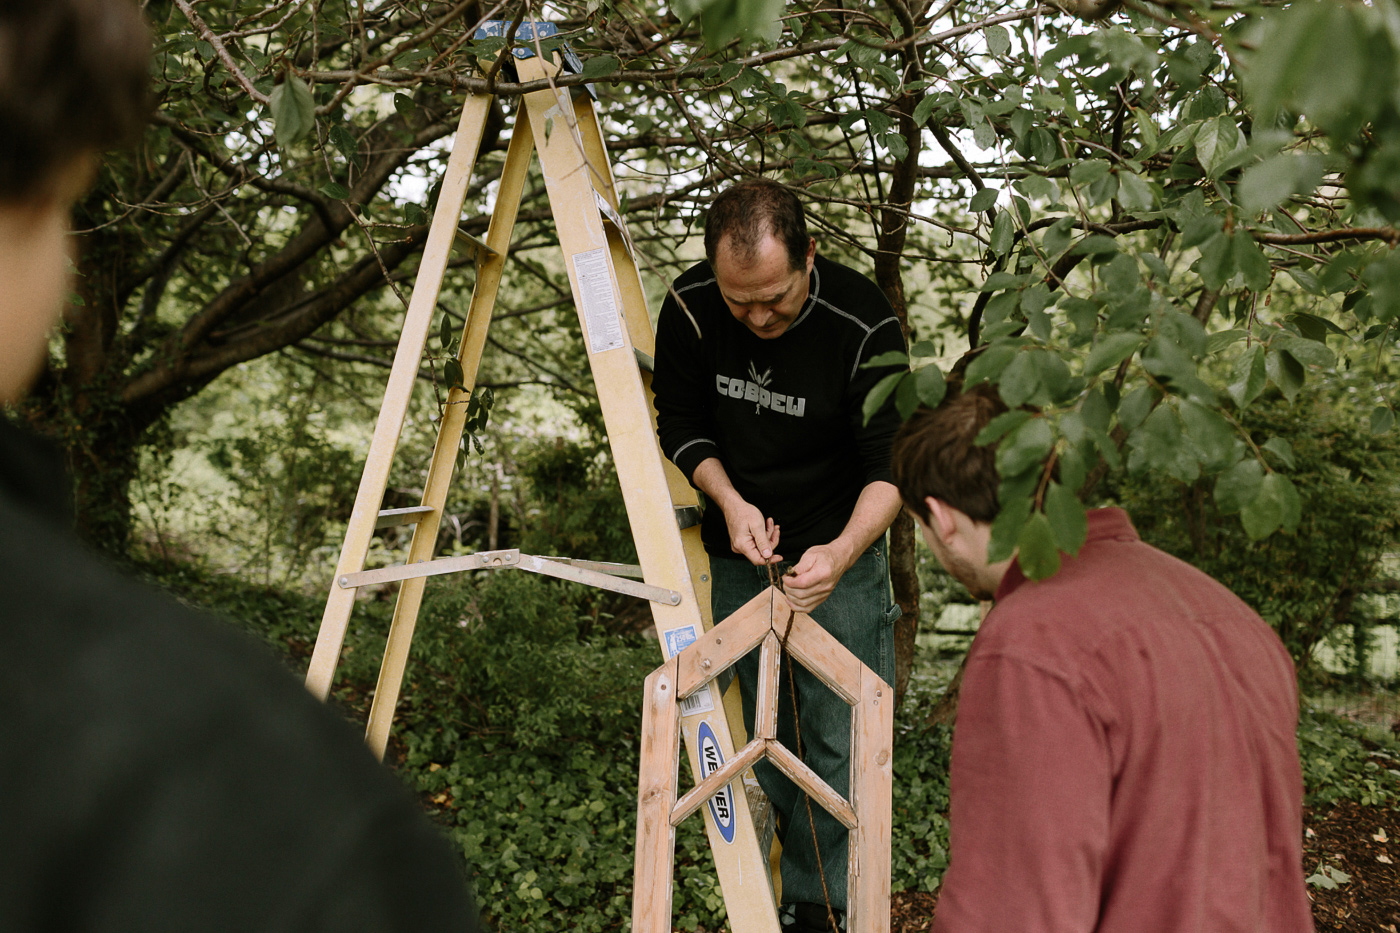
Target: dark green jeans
[{"x": 861, "y": 614}]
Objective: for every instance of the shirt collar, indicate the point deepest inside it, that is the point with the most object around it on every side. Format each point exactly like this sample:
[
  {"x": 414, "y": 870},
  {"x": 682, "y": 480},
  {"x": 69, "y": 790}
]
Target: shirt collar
[
  {"x": 814, "y": 287},
  {"x": 1104, "y": 525}
]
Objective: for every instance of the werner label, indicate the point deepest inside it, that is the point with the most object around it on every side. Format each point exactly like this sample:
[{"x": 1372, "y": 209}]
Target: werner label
[{"x": 711, "y": 760}]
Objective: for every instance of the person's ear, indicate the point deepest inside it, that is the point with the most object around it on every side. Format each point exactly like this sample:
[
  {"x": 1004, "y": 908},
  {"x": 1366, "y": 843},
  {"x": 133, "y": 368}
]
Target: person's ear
[{"x": 942, "y": 519}]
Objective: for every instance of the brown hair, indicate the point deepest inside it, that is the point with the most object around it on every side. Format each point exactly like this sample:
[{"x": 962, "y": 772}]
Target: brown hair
[
  {"x": 751, "y": 210},
  {"x": 935, "y": 455},
  {"x": 73, "y": 77}
]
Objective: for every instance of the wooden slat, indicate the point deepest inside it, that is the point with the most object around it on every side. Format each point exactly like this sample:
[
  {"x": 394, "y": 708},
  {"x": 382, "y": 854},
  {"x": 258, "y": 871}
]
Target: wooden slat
[
  {"x": 656, "y": 792},
  {"x": 397, "y": 395},
  {"x": 730, "y": 771},
  {"x": 393, "y": 518},
  {"x": 829, "y": 661},
  {"x": 450, "y": 428},
  {"x": 721, "y": 646},
  {"x": 765, "y": 720},
  {"x": 807, "y": 779},
  {"x": 872, "y": 783}
]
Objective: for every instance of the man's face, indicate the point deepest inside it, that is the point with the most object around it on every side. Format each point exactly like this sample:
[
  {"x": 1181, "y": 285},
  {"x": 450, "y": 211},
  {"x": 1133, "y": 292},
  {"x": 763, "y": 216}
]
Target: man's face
[
  {"x": 33, "y": 279},
  {"x": 964, "y": 567},
  {"x": 764, "y": 294}
]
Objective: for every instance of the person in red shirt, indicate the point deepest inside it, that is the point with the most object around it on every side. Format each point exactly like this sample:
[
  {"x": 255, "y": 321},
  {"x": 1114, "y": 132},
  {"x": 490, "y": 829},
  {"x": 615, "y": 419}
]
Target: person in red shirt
[{"x": 1125, "y": 756}]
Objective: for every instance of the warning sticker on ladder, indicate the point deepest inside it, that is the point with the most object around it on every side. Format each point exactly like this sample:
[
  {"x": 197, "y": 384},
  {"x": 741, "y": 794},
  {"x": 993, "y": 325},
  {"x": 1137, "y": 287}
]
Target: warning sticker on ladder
[
  {"x": 598, "y": 299},
  {"x": 677, "y": 640}
]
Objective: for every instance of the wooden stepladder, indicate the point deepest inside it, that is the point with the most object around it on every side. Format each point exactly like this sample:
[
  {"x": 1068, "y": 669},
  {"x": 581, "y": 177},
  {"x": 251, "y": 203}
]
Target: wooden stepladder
[
  {"x": 561, "y": 126},
  {"x": 768, "y": 623}
]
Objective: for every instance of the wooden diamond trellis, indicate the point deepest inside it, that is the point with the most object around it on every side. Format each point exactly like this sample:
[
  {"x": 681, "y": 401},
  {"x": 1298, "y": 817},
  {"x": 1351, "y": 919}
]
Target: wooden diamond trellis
[{"x": 764, "y": 621}]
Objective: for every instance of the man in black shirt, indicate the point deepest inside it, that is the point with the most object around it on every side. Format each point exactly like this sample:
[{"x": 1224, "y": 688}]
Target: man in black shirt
[
  {"x": 760, "y": 383},
  {"x": 158, "y": 771}
]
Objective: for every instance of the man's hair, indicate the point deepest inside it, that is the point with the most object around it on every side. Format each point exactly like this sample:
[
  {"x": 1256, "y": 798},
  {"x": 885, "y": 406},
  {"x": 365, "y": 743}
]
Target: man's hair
[
  {"x": 72, "y": 81},
  {"x": 935, "y": 455},
  {"x": 751, "y": 210}
]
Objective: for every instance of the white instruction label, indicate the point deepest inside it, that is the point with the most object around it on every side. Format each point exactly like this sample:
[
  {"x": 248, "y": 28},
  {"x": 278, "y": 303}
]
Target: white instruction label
[
  {"x": 598, "y": 298},
  {"x": 677, "y": 640}
]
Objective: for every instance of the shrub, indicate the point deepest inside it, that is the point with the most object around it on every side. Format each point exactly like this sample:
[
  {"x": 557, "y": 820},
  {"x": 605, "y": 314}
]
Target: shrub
[{"x": 1305, "y": 583}]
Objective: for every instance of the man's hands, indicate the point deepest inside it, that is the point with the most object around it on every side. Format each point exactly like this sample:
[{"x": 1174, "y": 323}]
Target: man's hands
[
  {"x": 751, "y": 535},
  {"x": 807, "y": 585}
]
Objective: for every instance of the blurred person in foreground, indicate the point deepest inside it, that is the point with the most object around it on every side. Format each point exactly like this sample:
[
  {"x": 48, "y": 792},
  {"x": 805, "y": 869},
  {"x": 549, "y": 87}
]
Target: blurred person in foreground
[
  {"x": 158, "y": 771},
  {"x": 1125, "y": 754}
]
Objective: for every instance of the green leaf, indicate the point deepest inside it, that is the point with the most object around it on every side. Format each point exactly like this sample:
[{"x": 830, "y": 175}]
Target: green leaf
[
  {"x": 1073, "y": 471},
  {"x": 1282, "y": 449},
  {"x": 1250, "y": 261},
  {"x": 1019, "y": 381},
  {"x": 888, "y": 358},
  {"x": 924, "y": 109},
  {"x": 998, "y": 40},
  {"x": 1133, "y": 410},
  {"x": 1248, "y": 377},
  {"x": 1096, "y": 412},
  {"x": 293, "y": 110},
  {"x": 1158, "y": 444},
  {"x": 1088, "y": 171},
  {"x": 878, "y": 395},
  {"x": 1000, "y": 426},
  {"x": 1285, "y": 372},
  {"x": 983, "y": 199},
  {"x": 1382, "y": 419},
  {"x": 445, "y": 332},
  {"x": 349, "y": 147},
  {"x": 1067, "y": 518},
  {"x": 1003, "y": 234},
  {"x": 1006, "y": 528},
  {"x": 1217, "y": 262},
  {"x": 600, "y": 66},
  {"x": 1134, "y": 193},
  {"x": 1213, "y": 437},
  {"x": 906, "y": 398},
  {"x": 1307, "y": 352},
  {"x": 1095, "y": 245},
  {"x": 1276, "y": 506},
  {"x": 988, "y": 364},
  {"x": 1111, "y": 350},
  {"x": 1269, "y": 183},
  {"x": 1238, "y": 486},
  {"x": 404, "y": 105},
  {"x": 930, "y": 385},
  {"x": 1037, "y": 555},
  {"x": 1024, "y": 448},
  {"x": 335, "y": 190},
  {"x": 452, "y": 373}
]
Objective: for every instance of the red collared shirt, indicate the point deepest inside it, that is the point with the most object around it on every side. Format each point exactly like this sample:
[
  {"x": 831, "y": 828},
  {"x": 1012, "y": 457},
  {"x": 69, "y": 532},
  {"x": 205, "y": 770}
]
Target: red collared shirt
[{"x": 1125, "y": 756}]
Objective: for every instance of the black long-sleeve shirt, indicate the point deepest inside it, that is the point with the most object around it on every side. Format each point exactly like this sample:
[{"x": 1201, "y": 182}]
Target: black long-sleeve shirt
[
  {"x": 159, "y": 772},
  {"x": 782, "y": 415}
]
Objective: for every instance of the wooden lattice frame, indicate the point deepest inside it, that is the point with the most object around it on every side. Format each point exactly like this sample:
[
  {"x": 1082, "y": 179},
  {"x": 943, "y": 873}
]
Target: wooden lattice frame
[{"x": 763, "y": 622}]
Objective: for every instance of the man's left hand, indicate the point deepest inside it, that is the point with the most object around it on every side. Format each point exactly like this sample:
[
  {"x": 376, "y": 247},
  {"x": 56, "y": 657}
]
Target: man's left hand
[{"x": 808, "y": 584}]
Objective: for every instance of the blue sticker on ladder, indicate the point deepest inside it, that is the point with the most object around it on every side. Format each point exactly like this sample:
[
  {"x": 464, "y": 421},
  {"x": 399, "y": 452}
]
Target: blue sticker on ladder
[{"x": 711, "y": 760}]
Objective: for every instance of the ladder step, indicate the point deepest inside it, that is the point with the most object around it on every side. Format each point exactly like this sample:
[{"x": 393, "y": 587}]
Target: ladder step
[
  {"x": 392, "y": 518},
  {"x": 687, "y": 516},
  {"x": 646, "y": 362}
]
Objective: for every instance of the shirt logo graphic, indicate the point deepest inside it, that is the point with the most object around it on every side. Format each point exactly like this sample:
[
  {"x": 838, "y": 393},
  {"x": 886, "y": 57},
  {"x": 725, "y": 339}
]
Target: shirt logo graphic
[{"x": 755, "y": 389}]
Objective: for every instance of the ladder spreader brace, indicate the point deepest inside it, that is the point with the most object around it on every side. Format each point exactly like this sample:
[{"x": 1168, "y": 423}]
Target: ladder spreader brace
[
  {"x": 587, "y": 572},
  {"x": 560, "y": 126}
]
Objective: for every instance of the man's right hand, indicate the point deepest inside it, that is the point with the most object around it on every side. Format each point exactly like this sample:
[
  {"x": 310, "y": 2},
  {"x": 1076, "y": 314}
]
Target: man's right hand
[{"x": 751, "y": 535}]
